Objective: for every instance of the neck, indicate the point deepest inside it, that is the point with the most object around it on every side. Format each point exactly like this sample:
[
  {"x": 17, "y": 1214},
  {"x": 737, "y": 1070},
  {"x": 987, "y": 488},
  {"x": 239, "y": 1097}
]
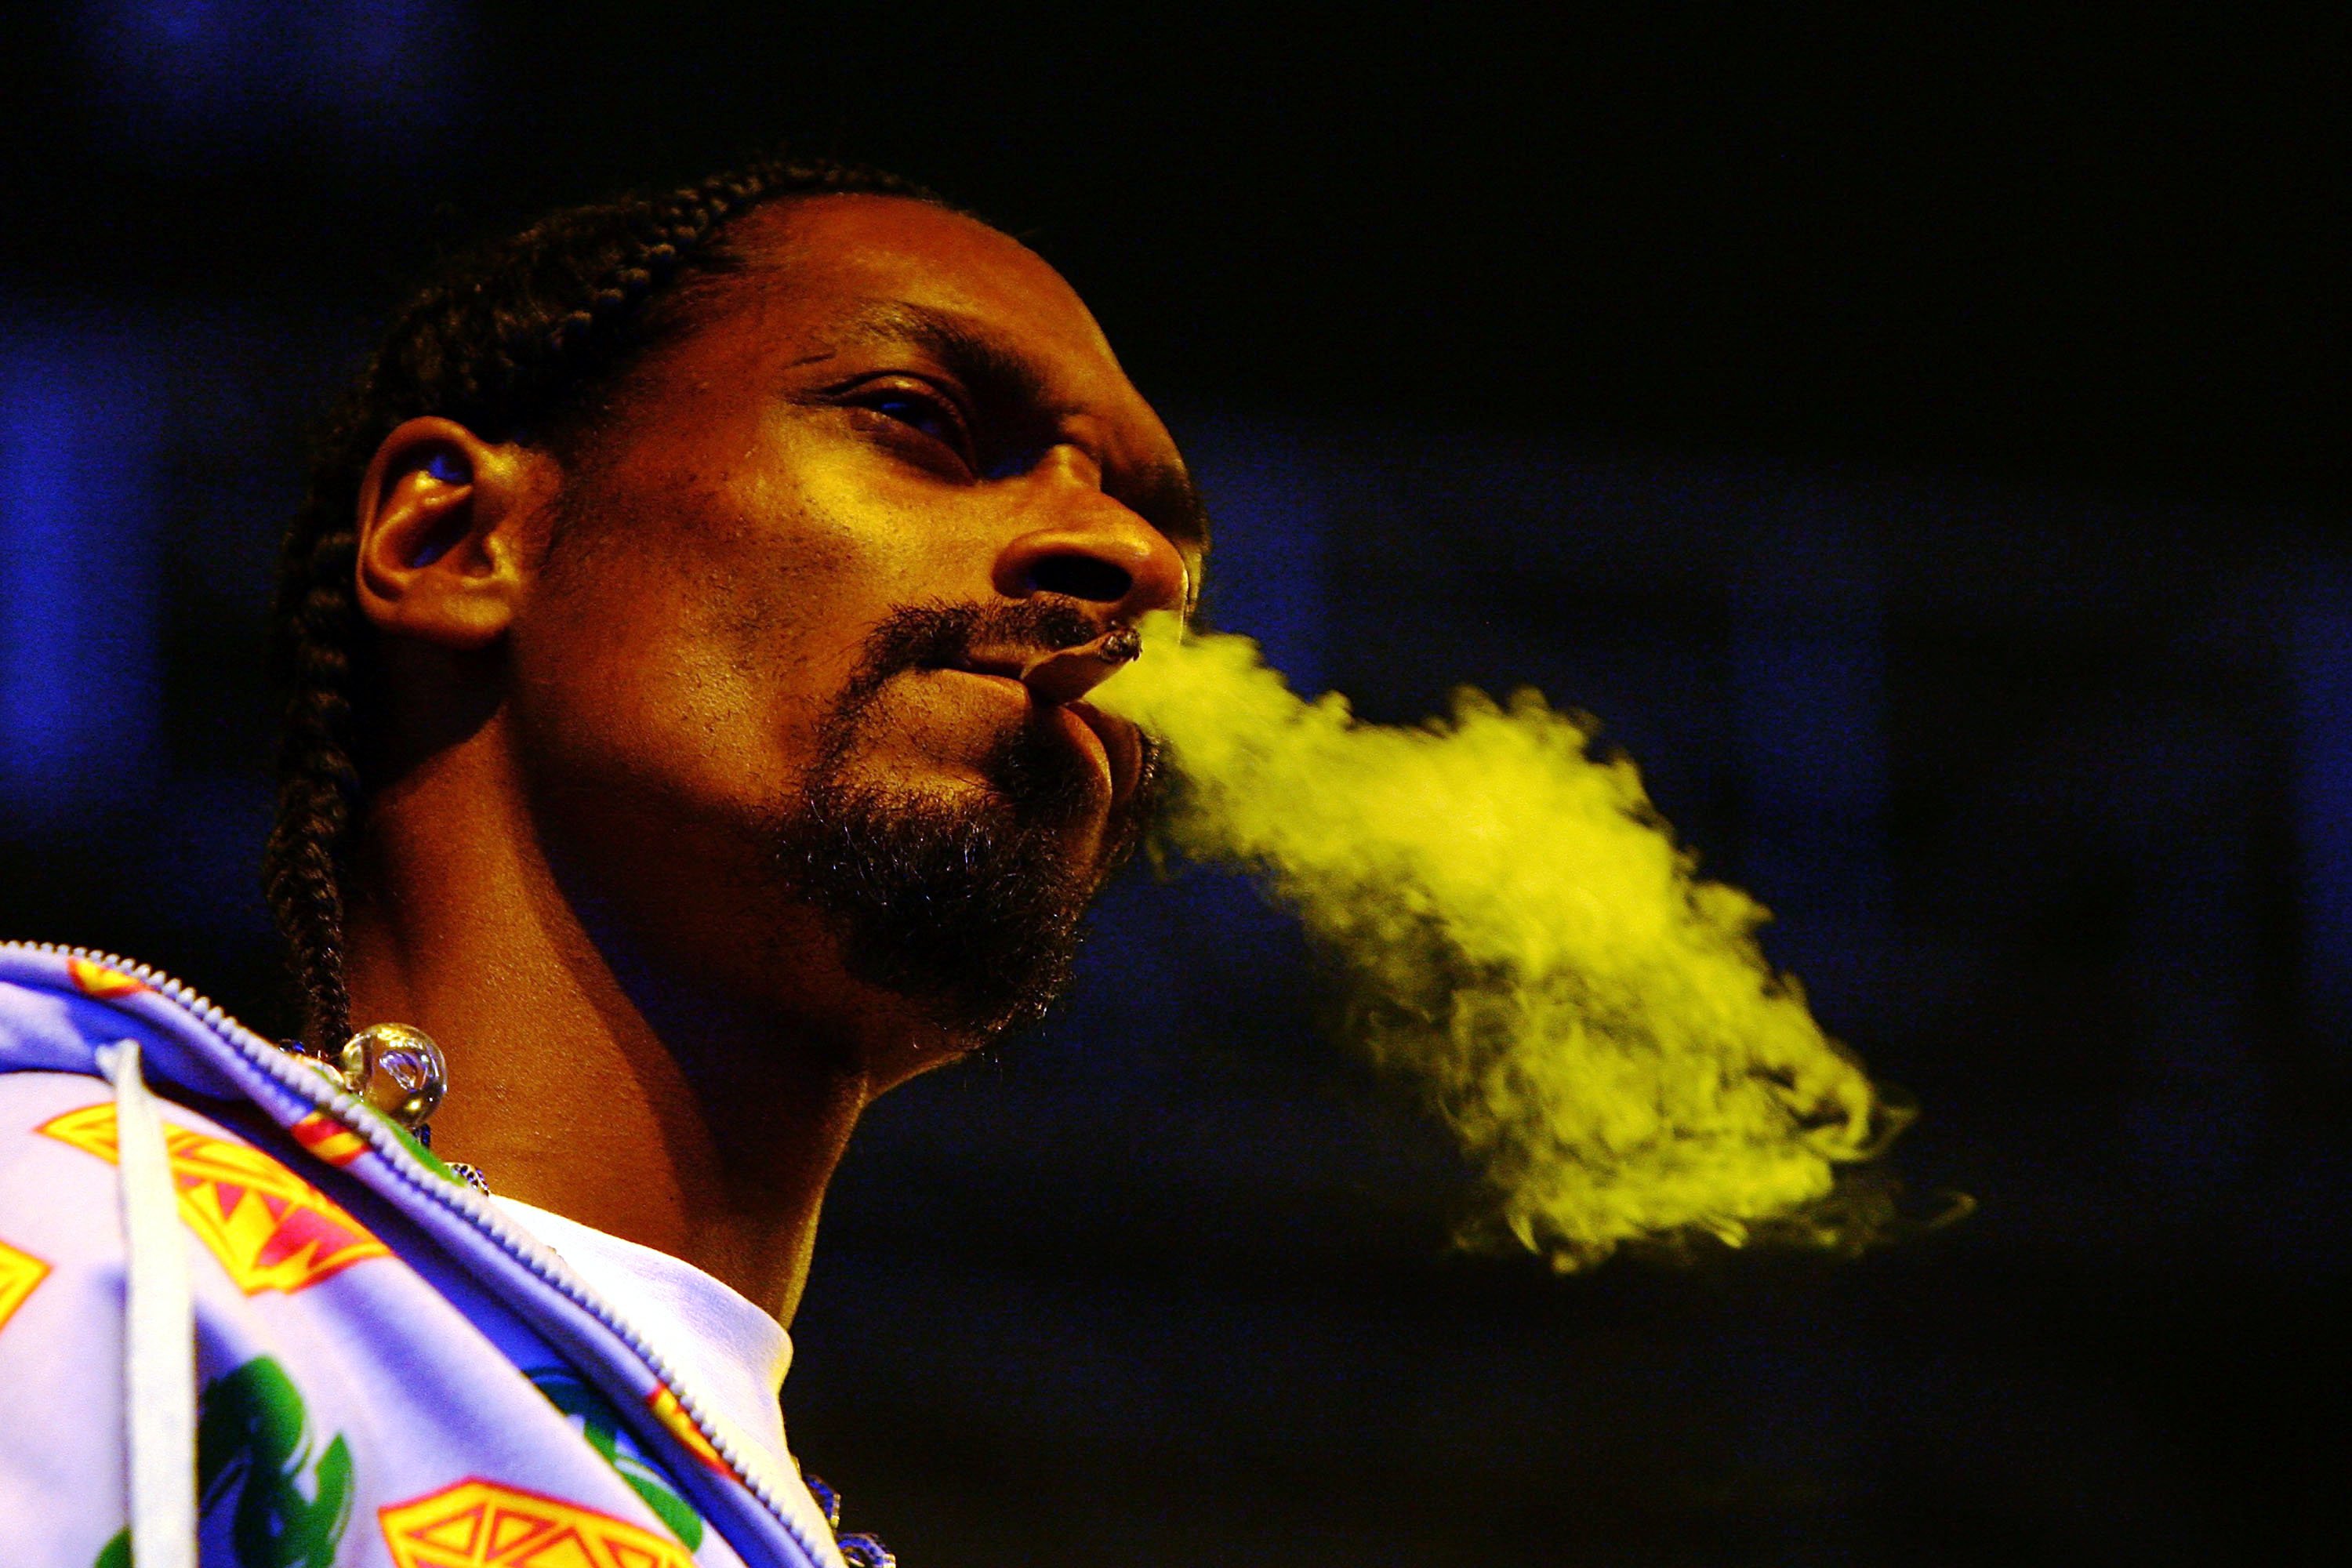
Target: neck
[{"x": 705, "y": 1131}]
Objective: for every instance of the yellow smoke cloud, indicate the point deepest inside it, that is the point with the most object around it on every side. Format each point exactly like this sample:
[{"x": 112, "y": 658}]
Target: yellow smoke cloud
[{"x": 1534, "y": 954}]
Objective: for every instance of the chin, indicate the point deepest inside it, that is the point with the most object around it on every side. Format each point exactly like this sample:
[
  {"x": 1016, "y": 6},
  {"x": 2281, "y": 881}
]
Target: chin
[{"x": 955, "y": 902}]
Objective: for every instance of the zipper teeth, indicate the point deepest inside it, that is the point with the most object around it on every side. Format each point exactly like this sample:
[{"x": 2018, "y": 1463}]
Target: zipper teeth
[{"x": 474, "y": 1206}]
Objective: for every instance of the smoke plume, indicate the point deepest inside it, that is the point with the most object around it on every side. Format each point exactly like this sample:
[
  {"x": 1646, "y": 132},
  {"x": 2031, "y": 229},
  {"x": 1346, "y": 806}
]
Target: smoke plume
[{"x": 1530, "y": 952}]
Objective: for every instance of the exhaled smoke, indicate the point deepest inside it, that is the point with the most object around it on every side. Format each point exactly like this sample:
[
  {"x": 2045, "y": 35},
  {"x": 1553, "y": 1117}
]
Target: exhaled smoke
[{"x": 1533, "y": 954}]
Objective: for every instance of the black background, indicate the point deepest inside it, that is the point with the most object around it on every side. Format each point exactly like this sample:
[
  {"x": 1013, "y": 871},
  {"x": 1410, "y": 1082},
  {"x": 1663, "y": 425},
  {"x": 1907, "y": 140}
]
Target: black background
[{"x": 1961, "y": 390}]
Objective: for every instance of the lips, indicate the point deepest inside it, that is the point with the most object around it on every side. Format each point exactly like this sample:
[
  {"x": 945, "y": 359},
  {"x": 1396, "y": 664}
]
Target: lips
[
  {"x": 1122, "y": 745},
  {"x": 1081, "y": 722}
]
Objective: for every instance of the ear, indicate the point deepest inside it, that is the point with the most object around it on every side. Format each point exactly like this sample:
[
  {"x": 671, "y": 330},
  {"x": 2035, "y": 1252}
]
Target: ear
[{"x": 448, "y": 524}]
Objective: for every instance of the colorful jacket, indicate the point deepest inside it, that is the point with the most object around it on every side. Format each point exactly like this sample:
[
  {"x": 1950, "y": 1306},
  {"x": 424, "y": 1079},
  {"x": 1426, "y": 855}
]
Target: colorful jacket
[{"x": 247, "y": 1322}]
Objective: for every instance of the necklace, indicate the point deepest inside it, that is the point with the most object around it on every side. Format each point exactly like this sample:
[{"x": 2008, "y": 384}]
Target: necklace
[{"x": 398, "y": 1070}]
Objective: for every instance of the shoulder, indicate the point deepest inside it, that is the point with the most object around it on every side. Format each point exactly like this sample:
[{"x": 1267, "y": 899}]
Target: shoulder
[
  {"x": 342, "y": 1393},
  {"x": 61, "y": 1309},
  {"x": 246, "y": 1198},
  {"x": 60, "y": 1183},
  {"x": 46, "y": 1200},
  {"x": 255, "y": 1221},
  {"x": 56, "y": 1153}
]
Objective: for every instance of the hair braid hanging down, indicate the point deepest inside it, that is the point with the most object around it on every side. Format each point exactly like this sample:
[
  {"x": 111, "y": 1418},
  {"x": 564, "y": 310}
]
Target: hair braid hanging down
[{"x": 504, "y": 341}]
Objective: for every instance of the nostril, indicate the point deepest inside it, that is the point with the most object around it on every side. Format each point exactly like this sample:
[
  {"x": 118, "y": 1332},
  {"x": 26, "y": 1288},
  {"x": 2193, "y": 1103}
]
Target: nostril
[{"x": 1081, "y": 577}]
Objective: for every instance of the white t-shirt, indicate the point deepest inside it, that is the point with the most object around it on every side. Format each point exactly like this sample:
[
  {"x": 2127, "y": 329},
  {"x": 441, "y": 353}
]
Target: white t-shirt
[{"x": 730, "y": 1355}]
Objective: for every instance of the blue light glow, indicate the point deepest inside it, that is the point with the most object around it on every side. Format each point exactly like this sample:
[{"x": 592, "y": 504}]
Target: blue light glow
[
  {"x": 79, "y": 649},
  {"x": 244, "y": 66},
  {"x": 1809, "y": 687},
  {"x": 2323, "y": 786}
]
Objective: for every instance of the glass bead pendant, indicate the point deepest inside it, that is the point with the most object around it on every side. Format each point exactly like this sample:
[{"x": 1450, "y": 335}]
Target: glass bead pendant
[{"x": 396, "y": 1068}]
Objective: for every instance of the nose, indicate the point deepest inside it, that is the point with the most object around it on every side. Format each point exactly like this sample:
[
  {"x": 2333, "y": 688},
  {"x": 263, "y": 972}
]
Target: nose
[{"x": 1093, "y": 550}]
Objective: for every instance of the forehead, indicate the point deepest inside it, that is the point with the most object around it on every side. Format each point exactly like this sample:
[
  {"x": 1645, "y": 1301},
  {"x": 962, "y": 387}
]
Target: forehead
[{"x": 820, "y": 273}]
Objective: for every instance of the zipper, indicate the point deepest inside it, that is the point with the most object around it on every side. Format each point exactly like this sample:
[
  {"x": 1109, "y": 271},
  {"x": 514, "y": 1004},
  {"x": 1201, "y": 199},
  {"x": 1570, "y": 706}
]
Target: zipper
[{"x": 274, "y": 1064}]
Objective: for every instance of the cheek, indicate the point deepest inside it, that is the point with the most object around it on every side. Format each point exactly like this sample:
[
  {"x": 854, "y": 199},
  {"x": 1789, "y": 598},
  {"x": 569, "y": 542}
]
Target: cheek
[
  {"x": 693, "y": 654},
  {"x": 627, "y": 700},
  {"x": 709, "y": 616},
  {"x": 693, "y": 685}
]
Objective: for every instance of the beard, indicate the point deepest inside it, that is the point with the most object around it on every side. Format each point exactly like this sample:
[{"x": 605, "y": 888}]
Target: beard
[{"x": 969, "y": 906}]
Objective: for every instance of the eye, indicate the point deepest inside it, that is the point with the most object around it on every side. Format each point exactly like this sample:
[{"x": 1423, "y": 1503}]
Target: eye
[{"x": 910, "y": 407}]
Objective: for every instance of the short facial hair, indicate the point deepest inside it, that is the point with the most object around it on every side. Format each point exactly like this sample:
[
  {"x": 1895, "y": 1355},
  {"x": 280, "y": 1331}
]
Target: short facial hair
[{"x": 971, "y": 907}]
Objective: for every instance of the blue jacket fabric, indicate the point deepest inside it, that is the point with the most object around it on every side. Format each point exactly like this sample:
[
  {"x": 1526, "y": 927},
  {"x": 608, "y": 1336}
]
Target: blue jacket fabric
[{"x": 387, "y": 1372}]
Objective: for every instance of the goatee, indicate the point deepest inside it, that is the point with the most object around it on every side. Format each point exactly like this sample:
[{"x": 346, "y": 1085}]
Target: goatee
[{"x": 971, "y": 906}]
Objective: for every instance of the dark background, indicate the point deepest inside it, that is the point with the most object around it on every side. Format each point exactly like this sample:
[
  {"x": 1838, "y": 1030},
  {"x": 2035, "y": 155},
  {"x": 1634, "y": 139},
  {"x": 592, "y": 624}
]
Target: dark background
[{"x": 1920, "y": 434}]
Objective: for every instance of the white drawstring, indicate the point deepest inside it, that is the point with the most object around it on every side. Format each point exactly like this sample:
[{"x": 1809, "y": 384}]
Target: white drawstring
[{"x": 159, "y": 1335}]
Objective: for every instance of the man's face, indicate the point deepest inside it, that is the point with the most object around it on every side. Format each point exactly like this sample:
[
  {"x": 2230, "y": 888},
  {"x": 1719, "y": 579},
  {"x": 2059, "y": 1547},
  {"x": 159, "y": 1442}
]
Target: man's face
[{"x": 781, "y": 691}]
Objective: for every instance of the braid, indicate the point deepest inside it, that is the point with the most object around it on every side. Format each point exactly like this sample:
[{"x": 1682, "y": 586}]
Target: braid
[{"x": 504, "y": 342}]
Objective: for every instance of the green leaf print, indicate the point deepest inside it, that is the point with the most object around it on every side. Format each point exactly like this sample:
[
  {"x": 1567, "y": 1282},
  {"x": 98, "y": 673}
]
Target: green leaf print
[
  {"x": 288, "y": 1509},
  {"x": 601, "y": 1424},
  {"x": 252, "y": 1455}
]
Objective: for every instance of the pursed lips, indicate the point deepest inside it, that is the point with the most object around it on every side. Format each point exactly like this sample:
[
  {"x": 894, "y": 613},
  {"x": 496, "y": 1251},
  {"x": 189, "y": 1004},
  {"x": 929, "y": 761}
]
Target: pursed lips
[{"x": 1054, "y": 681}]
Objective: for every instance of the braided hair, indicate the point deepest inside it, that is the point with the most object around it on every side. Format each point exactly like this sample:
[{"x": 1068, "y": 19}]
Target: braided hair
[{"x": 504, "y": 342}]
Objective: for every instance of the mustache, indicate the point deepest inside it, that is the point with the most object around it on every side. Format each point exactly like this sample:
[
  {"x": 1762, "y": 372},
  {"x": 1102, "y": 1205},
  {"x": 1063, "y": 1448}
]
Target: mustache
[{"x": 941, "y": 635}]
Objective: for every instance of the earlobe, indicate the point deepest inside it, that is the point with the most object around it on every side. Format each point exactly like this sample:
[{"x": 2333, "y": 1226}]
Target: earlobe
[{"x": 441, "y": 523}]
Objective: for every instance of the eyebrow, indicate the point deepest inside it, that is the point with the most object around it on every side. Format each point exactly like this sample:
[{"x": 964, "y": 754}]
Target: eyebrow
[
  {"x": 998, "y": 373},
  {"x": 989, "y": 365}
]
